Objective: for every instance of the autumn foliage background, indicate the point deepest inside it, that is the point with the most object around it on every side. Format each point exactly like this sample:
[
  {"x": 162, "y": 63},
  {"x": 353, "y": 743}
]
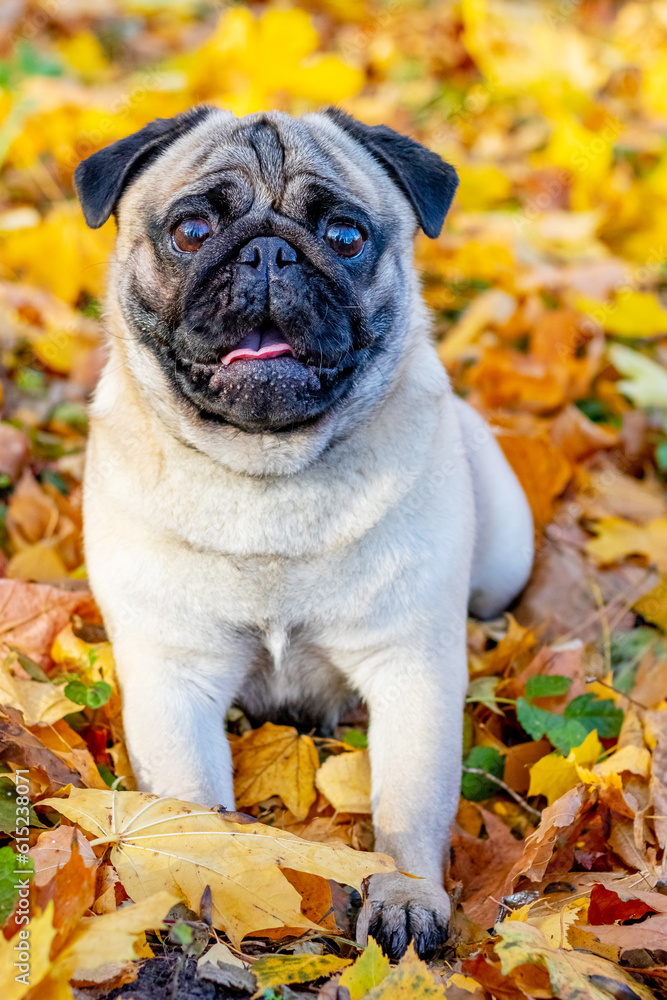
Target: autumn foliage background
[{"x": 547, "y": 292}]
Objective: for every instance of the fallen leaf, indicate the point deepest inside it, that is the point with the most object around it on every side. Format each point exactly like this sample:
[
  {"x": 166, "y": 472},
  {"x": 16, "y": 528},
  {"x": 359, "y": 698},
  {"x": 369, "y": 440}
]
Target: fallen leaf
[
  {"x": 345, "y": 780},
  {"x": 555, "y": 774},
  {"x": 645, "y": 382},
  {"x": 32, "y": 614},
  {"x": 559, "y": 822},
  {"x": 410, "y": 978},
  {"x": 368, "y": 971},
  {"x": 483, "y": 867},
  {"x": 617, "y": 539},
  {"x": 34, "y": 964},
  {"x": 20, "y": 746},
  {"x": 38, "y": 701},
  {"x": 572, "y": 974},
  {"x": 240, "y": 859},
  {"x": 65, "y": 869},
  {"x": 606, "y": 907},
  {"x": 278, "y": 970},
  {"x": 275, "y": 760}
]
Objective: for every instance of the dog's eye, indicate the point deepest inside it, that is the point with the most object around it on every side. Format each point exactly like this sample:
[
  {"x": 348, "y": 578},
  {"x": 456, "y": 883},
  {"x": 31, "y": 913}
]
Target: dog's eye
[
  {"x": 190, "y": 234},
  {"x": 345, "y": 239}
]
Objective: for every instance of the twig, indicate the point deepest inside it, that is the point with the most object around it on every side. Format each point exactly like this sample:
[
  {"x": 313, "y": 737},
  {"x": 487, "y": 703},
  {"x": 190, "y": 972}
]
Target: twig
[{"x": 510, "y": 791}]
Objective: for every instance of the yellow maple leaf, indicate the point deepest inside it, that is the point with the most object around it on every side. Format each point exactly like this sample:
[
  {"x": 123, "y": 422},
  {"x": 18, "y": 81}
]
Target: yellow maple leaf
[
  {"x": 275, "y": 760},
  {"x": 180, "y": 846},
  {"x": 345, "y": 780},
  {"x": 555, "y": 775}
]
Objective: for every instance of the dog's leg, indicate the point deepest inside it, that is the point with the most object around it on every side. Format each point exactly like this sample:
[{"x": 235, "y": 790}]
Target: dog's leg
[
  {"x": 415, "y": 697},
  {"x": 174, "y": 707}
]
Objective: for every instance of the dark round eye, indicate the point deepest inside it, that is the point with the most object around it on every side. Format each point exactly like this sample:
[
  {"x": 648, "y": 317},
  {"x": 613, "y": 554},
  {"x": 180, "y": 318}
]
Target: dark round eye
[
  {"x": 190, "y": 234},
  {"x": 345, "y": 239}
]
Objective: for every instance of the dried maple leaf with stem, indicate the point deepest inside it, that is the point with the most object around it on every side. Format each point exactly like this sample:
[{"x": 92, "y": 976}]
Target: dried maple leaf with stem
[{"x": 165, "y": 843}]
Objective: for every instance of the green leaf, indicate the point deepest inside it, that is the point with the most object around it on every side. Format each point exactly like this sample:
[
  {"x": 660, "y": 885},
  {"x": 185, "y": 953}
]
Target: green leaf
[
  {"x": 476, "y": 787},
  {"x": 12, "y": 870},
  {"x": 355, "y": 738},
  {"x": 98, "y": 694},
  {"x": 31, "y": 668},
  {"x": 77, "y": 692},
  {"x": 538, "y": 722},
  {"x": 599, "y": 714},
  {"x": 8, "y": 807},
  {"x": 581, "y": 717},
  {"x": 661, "y": 456},
  {"x": 547, "y": 686}
]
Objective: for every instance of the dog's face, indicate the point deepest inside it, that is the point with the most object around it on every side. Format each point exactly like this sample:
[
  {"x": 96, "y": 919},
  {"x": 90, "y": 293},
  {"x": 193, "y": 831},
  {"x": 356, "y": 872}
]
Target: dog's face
[{"x": 266, "y": 262}]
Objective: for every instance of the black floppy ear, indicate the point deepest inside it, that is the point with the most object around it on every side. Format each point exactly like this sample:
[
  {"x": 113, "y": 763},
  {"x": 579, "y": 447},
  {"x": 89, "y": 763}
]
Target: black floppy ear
[
  {"x": 425, "y": 179},
  {"x": 101, "y": 179}
]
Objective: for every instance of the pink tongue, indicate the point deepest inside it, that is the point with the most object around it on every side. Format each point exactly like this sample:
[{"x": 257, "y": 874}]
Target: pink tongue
[{"x": 266, "y": 344}]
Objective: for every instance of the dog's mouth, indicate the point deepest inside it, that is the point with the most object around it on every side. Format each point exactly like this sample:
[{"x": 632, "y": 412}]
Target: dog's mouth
[
  {"x": 260, "y": 344},
  {"x": 263, "y": 382}
]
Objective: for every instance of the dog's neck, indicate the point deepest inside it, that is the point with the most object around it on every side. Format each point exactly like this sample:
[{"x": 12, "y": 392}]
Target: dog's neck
[{"x": 133, "y": 379}]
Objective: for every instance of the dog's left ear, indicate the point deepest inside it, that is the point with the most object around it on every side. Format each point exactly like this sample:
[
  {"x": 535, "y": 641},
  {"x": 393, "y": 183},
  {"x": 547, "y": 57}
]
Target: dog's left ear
[
  {"x": 101, "y": 179},
  {"x": 424, "y": 178}
]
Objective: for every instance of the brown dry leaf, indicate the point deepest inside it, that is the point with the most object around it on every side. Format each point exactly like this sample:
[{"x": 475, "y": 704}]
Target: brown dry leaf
[
  {"x": 559, "y": 822},
  {"x": 518, "y": 760},
  {"x": 577, "y": 437},
  {"x": 650, "y": 686},
  {"x": 22, "y": 748},
  {"x": 345, "y": 780},
  {"x": 650, "y": 934},
  {"x": 108, "y": 889},
  {"x": 275, "y": 760},
  {"x": 65, "y": 873},
  {"x": 483, "y": 865},
  {"x": 68, "y": 745},
  {"x": 658, "y": 784},
  {"x": 240, "y": 859},
  {"x": 32, "y": 614},
  {"x": 316, "y": 903},
  {"x": 605, "y": 491},
  {"x": 13, "y": 450}
]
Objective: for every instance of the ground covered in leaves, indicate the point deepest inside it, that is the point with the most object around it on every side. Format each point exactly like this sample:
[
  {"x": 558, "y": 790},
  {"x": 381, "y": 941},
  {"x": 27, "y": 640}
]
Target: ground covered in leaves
[{"x": 547, "y": 289}]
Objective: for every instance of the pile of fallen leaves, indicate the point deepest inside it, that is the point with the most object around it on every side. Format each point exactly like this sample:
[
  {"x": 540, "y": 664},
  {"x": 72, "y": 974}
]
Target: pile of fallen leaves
[{"x": 547, "y": 289}]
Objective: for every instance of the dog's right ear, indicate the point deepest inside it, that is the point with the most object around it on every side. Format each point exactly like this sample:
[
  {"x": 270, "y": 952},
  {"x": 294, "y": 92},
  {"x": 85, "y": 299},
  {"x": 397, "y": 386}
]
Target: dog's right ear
[{"x": 101, "y": 179}]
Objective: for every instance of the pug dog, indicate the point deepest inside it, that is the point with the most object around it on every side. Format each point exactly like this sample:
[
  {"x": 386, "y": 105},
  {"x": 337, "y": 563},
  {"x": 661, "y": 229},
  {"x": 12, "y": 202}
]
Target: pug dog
[{"x": 286, "y": 507}]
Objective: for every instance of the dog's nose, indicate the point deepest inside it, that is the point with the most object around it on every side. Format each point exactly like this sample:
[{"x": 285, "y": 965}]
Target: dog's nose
[{"x": 267, "y": 254}]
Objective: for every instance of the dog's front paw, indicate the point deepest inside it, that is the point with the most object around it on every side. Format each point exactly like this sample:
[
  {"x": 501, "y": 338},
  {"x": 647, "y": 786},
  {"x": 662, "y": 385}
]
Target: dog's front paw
[{"x": 401, "y": 909}]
